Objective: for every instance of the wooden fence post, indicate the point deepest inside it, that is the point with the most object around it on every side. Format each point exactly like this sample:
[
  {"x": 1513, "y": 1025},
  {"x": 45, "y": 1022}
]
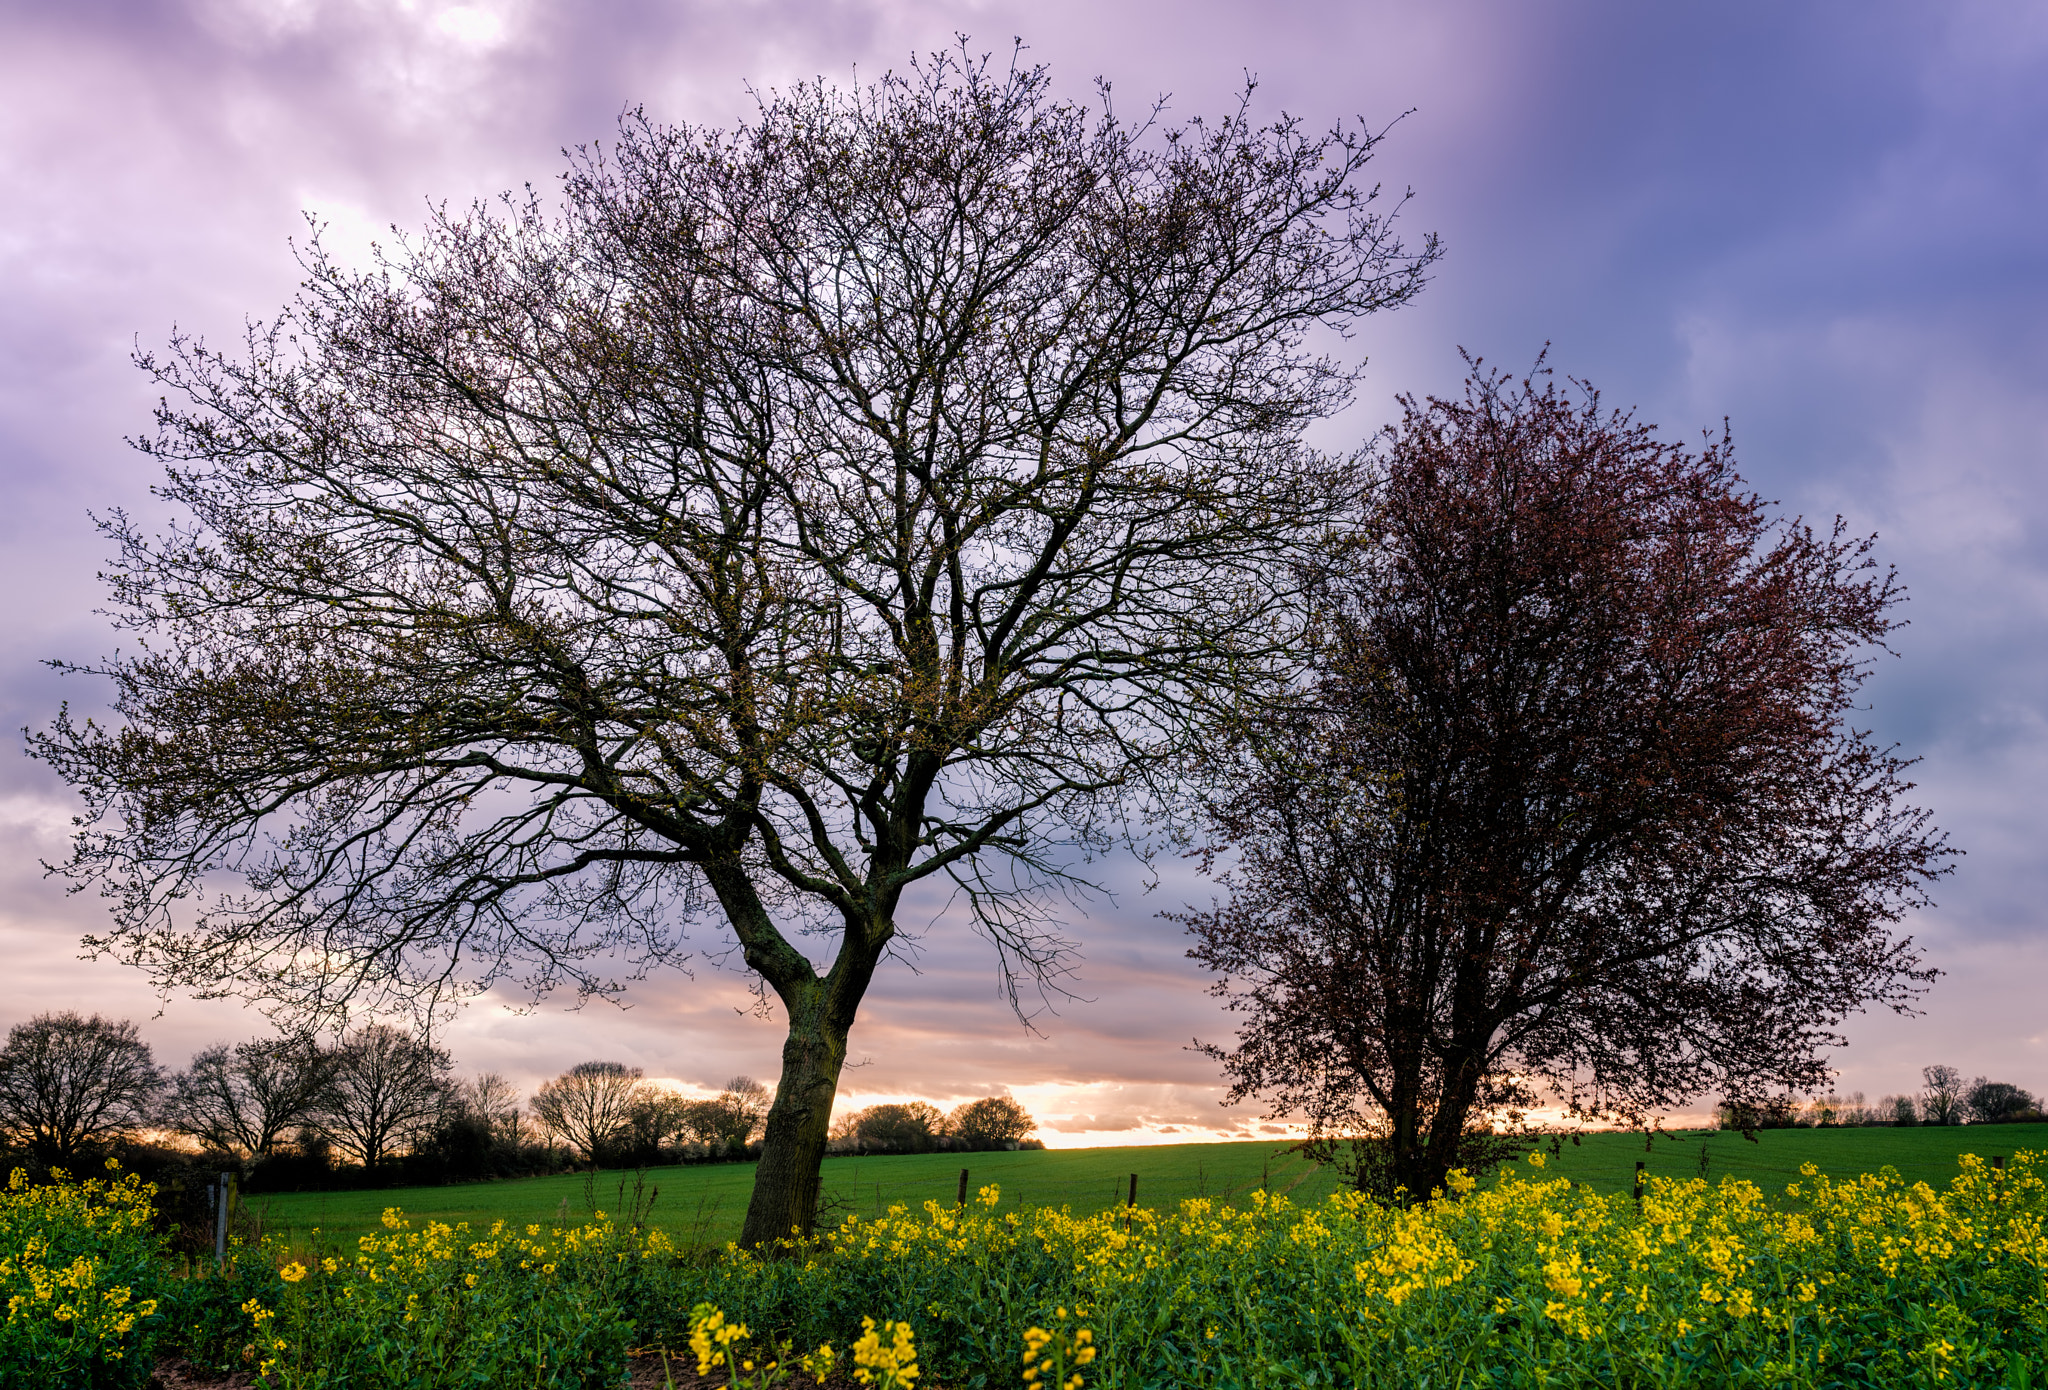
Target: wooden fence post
[{"x": 223, "y": 1198}]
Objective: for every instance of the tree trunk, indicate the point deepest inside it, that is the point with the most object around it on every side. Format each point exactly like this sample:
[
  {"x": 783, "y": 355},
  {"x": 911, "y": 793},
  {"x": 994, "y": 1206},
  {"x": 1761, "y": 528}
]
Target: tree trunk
[{"x": 785, "y": 1200}]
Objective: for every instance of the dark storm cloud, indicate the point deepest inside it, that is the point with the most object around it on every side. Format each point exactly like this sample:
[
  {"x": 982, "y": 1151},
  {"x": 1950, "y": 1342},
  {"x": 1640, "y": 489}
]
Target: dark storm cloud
[{"x": 1822, "y": 221}]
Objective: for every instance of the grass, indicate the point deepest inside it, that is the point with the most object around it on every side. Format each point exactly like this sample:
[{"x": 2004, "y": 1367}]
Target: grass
[
  {"x": 704, "y": 1204},
  {"x": 1606, "y": 1162}
]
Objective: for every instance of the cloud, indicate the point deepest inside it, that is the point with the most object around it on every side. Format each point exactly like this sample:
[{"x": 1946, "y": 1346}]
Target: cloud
[{"x": 1821, "y": 221}]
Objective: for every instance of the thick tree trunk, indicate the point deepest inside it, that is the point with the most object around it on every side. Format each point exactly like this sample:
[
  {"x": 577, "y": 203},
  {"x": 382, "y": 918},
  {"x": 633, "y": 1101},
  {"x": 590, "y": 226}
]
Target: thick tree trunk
[{"x": 785, "y": 1201}]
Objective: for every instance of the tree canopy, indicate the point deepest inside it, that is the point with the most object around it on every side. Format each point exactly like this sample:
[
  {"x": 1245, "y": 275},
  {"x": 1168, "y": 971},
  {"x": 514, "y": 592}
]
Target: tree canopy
[
  {"x": 244, "y": 1098},
  {"x": 1569, "y": 798},
  {"x": 868, "y": 494},
  {"x": 69, "y": 1083},
  {"x": 588, "y": 1105}
]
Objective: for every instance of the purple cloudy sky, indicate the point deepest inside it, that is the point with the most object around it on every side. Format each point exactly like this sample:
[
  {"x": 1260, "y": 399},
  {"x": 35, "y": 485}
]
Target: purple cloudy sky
[{"x": 1825, "y": 221}]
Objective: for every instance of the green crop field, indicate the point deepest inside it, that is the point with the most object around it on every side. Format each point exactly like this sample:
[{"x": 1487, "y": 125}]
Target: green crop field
[{"x": 704, "y": 1204}]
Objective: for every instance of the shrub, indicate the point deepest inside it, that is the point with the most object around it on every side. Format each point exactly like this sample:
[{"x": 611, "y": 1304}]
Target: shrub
[{"x": 82, "y": 1269}]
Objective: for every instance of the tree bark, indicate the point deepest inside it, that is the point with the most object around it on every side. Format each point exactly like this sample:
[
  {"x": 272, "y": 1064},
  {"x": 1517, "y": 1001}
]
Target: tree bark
[{"x": 785, "y": 1200}]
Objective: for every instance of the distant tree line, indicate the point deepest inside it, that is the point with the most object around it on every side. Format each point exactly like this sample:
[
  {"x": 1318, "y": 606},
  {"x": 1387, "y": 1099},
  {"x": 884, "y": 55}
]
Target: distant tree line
[
  {"x": 381, "y": 1107},
  {"x": 997, "y": 1122},
  {"x": 1944, "y": 1098}
]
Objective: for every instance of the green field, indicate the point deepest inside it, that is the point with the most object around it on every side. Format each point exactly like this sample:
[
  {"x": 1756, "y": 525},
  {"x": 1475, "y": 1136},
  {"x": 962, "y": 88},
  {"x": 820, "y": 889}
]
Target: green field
[{"x": 704, "y": 1204}]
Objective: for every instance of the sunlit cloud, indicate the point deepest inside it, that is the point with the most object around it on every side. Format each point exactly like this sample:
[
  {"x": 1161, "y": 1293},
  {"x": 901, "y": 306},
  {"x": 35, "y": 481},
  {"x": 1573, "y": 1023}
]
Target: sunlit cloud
[{"x": 1831, "y": 238}]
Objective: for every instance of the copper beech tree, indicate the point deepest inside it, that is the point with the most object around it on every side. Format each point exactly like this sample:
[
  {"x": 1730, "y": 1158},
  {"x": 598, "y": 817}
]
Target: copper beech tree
[
  {"x": 1569, "y": 798},
  {"x": 863, "y": 496}
]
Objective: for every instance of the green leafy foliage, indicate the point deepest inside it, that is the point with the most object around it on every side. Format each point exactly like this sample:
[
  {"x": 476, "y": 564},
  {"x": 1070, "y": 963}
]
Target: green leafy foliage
[
  {"x": 82, "y": 1269},
  {"x": 1525, "y": 1282},
  {"x": 447, "y": 1306}
]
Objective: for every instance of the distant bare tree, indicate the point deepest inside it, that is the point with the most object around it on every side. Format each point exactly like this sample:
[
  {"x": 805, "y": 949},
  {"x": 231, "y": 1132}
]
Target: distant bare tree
[
  {"x": 1998, "y": 1102},
  {"x": 746, "y": 1102},
  {"x": 869, "y": 495},
  {"x": 69, "y": 1083},
  {"x": 1941, "y": 1095},
  {"x": 493, "y": 1099},
  {"x": 388, "y": 1088},
  {"x": 243, "y": 1099},
  {"x": 656, "y": 1117},
  {"x": 733, "y": 1116},
  {"x": 907, "y": 1127},
  {"x": 588, "y": 1105}
]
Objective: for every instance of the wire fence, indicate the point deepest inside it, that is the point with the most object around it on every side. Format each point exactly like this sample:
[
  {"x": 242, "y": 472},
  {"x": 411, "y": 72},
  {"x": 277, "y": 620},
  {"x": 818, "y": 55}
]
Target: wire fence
[
  {"x": 705, "y": 1205},
  {"x": 869, "y": 1188}
]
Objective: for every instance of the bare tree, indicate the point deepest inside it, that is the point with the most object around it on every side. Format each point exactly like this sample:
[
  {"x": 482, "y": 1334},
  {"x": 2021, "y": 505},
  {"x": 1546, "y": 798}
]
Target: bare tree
[
  {"x": 69, "y": 1083},
  {"x": 657, "y": 1116},
  {"x": 1999, "y": 1102},
  {"x": 745, "y": 1104},
  {"x": 865, "y": 496},
  {"x": 1941, "y": 1095},
  {"x": 494, "y": 1100},
  {"x": 244, "y": 1098},
  {"x": 387, "y": 1089},
  {"x": 589, "y": 1104},
  {"x": 1570, "y": 795},
  {"x": 906, "y": 1127},
  {"x": 732, "y": 1117}
]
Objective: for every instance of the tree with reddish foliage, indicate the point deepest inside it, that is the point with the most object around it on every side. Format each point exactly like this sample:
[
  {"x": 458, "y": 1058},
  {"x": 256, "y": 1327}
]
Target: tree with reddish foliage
[{"x": 1568, "y": 798}]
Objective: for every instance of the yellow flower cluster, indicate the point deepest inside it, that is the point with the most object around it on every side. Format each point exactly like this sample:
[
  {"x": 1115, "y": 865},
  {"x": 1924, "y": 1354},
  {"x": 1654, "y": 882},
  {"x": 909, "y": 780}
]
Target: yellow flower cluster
[
  {"x": 1055, "y": 1358},
  {"x": 430, "y": 1285},
  {"x": 1550, "y": 1272},
  {"x": 885, "y": 1356},
  {"x": 69, "y": 1253},
  {"x": 1524, "y": 1280},
  {"x": 711, "y": 1338}
]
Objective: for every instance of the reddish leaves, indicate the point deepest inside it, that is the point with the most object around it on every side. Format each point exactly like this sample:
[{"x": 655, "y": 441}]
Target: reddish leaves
[{"x": 1570, "y": 797}]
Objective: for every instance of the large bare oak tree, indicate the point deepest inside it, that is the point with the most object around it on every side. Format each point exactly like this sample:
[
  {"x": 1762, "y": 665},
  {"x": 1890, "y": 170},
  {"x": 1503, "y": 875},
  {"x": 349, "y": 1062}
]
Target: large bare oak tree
[
  {"x": 863, "y": 495},
  {"x": 1570, "y": 797}
]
